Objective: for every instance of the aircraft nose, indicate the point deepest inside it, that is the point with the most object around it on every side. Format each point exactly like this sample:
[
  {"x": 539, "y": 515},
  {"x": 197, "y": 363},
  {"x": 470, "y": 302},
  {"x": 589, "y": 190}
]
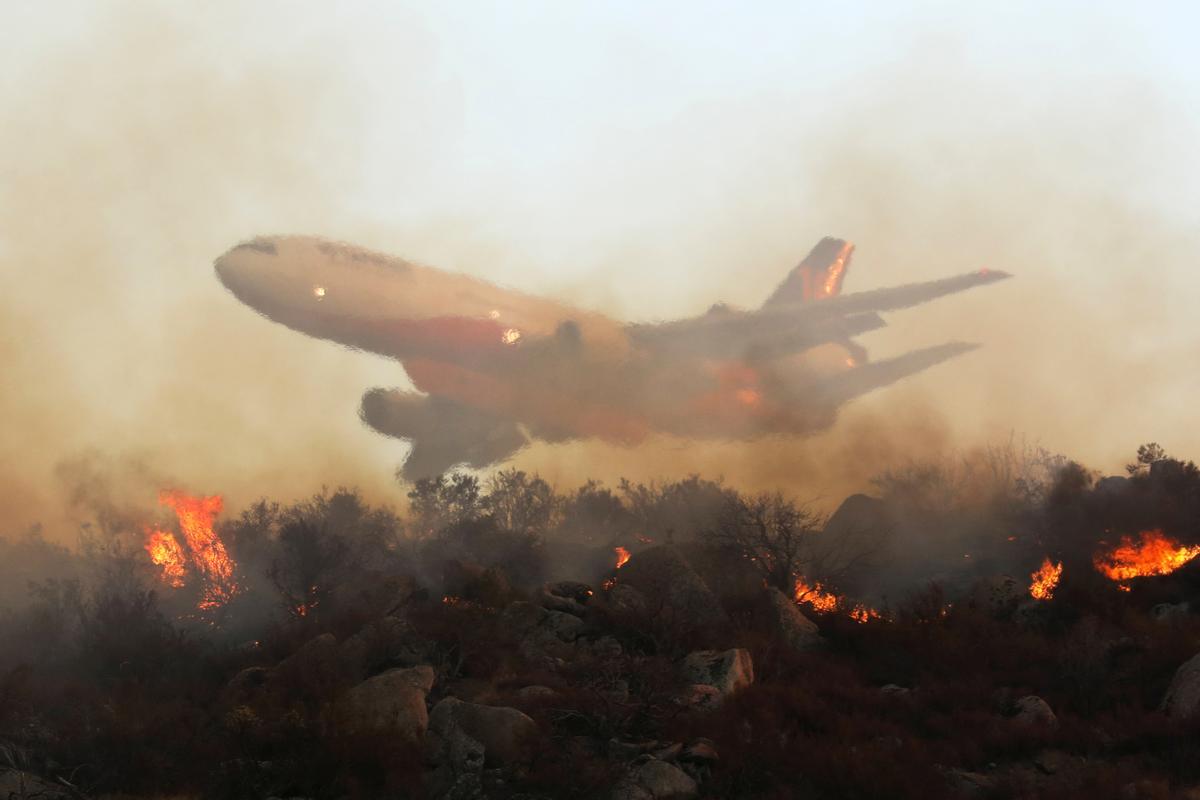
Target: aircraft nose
[{"x": 240, "y": 263}]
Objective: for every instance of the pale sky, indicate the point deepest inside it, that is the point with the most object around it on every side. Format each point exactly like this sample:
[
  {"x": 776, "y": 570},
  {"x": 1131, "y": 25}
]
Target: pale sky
[{"x": 645, "y": 160}]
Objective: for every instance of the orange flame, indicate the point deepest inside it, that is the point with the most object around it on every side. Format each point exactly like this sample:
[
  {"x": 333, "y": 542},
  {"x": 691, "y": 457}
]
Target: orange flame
[
  {"x": 827, "y": 602},
  {"x": 1153, "y": 554},
  {"x": 1045, "y": 580},
  {"x": 165, "y": 551},
  {"x": 205, "y": 553},
  {"x": 815, "y": 596},
  {"x": 622, "y": 556}
]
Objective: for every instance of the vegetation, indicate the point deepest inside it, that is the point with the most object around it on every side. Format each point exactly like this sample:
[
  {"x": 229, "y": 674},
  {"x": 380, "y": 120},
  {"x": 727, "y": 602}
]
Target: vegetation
[{"x": 114, "y": 684}]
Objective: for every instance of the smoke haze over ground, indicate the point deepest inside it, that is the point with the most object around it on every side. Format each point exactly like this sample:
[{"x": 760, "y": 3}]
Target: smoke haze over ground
[{"x": 696, "y": 165}]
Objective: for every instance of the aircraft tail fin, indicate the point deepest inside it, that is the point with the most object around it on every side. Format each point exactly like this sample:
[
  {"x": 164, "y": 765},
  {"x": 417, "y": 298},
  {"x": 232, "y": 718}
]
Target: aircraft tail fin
[{"x": 817, "y": 277}]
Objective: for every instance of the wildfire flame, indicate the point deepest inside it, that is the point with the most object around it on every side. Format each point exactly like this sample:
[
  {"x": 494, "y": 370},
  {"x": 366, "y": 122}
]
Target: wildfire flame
[
  {"x": 827, "y": 602},
  {"x": 1045, "y": 580},
  {"x": 622, "y": 556},
  {"x": 165, "y": 551},
  {"x": 205, "y": 552},
  {"x": 1152, "y": 554}
]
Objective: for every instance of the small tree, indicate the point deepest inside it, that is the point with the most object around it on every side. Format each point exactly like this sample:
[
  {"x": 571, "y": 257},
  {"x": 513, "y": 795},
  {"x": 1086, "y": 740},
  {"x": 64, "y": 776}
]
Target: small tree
[
  {"x": 1147, "y": 455},
  {"x": 775, "y": 534},
  {"x": 444, "y": 500},
  {"x": 521, "y": 503}
]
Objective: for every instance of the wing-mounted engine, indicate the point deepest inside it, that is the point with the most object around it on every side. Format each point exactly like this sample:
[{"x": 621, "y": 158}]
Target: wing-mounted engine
[{"x": 443, "y": 433}]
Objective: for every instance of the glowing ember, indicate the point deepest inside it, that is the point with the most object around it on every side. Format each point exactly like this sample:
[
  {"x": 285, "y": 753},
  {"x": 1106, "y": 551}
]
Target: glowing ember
[
  {"x": 1045, "y": 580},
  {"x": 1152, "y": 554},
  {"x": 608, "y": 584},
  {"x": 205, "y": 551},
  {"x": 510, "y": 336},
  {"x": 622, "y": 556},
  {"x": 862, "y": 614},
  {"x": 165, "y": 551}
]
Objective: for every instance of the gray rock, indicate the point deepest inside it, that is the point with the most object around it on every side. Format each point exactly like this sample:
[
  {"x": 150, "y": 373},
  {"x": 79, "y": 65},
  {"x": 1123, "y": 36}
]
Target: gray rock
[
  {"x": 699, "y": 695},
  {"x": 797, "y": 631},
  {"x": 701, "y": 751},
  {"x": 247, "y": 683},
  {"x": 537, "y": 693},
  {"x": 389, "y": 704},
  {"x": 625, "y": 599},
  {"x": 505, "y": 733},
  {"x": 579, "y": 592},
  {"x": 651, "y": 779},
  {"x": 566, "y": 627},
  {"x": 729, "y": 670},
  {"x": 458, "y": 760},
  {"x": 1033, "y": 710},
  {"x": 673, "y": 587},
  {"x": 1182, "y": 700},
  {"x": 19, "y": 785},
  {"x": 315, "y": 668},
  {"x": 563, "y": 604},
  {"x": 605, "y": 648},
  {"x": 964, "y": 783},
  {"x": 387, "y": 642},
  {"x": 669, "y": 753},
  {"x": 1171, "y": 612}
]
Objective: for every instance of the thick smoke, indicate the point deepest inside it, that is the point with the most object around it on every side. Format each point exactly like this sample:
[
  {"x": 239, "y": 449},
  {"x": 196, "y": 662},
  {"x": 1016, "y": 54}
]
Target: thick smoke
[{"x": 147, "y": 145}]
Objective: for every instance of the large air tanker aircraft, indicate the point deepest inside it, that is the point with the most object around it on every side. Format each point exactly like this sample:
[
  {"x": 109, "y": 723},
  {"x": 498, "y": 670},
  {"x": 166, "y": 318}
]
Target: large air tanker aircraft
[{"x": 495, "y": 368}]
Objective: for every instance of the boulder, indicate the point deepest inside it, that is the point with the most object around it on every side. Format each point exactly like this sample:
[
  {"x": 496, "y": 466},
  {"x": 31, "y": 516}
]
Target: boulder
[
  {"x": 457, "y": 760},
  {"x": 15, "y": 783},
  {"x": 386, "y": 642},
  {"x": 536, "y": 693},
  {"x": 574, "y": 590},
  {"x": 672, "y": 586},
  {"x": 246, "y": 684},
  {"x": 375, "y": 594},
  {"x": 1182, "y": 700},
  {"x": 503, "y": 732},
  {"x": 651, "y": 779},
  {"x": 568, "y": 596},
  {"x": 700, "y": 751},
  {"x": 729, "y": 670},
  {"x": 315, "y": 669},
  {"x": 625, "y": 599},
  {"x": 542, "y": 633},
  {"x": 1033, "y": 711},
  {"x": 861, "y": 524},
  {"x": 390, "y": 704},
  {"x": 699, "y": 695},
  {"x": 797, "y": 631},
  {"x": 1171, "y": 612}
]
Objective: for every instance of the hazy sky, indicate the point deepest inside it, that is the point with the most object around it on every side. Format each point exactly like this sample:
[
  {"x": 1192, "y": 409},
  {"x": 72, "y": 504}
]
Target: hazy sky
[{"x": 645, "y": 160}]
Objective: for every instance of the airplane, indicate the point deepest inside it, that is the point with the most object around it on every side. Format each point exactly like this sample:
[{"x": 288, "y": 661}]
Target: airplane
[{"x": 495, "y": 368}]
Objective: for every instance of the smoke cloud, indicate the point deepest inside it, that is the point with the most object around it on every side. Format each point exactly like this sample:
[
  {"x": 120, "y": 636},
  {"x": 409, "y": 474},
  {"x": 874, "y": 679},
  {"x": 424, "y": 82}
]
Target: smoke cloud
[{"x": 148, "y": 142}]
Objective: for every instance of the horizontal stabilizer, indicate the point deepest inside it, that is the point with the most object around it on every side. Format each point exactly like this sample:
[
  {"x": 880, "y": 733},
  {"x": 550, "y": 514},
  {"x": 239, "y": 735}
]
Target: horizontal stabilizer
[{"x": 868, "y": 377}]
